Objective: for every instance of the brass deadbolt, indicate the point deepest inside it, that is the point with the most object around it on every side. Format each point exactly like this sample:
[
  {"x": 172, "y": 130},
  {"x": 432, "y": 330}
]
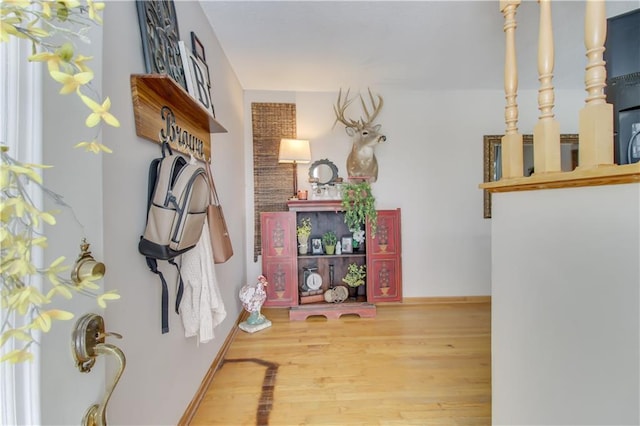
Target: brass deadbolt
[{"x": 86, "y": 267}]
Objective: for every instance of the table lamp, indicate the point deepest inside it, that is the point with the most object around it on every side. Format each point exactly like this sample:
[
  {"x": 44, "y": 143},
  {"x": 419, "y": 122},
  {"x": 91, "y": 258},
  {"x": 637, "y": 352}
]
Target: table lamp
[{"x": 294, "y": 151}]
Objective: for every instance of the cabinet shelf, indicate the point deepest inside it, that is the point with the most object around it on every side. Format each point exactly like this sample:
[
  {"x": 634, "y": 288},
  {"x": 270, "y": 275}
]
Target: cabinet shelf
[{"x": 331, "y": 256}]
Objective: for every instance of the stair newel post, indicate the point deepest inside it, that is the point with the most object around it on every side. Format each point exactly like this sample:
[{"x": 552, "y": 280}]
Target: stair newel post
[{"x": 596, "y": 117}]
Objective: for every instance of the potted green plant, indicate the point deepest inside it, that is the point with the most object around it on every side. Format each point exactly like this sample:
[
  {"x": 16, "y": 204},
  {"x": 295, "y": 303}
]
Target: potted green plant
[
  {"x": 329, "y": 239},
  {"x": 355, "y": 277},
  {"x": 359, "y": 206},
  {"x": 303, "y": 231}
]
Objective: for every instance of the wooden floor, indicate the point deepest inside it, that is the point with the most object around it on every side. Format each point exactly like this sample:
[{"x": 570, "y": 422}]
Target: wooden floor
[{"x": 414, "y": 364}]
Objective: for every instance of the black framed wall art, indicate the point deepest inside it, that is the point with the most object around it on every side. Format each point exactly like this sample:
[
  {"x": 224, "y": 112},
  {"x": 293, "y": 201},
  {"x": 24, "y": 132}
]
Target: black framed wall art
[{"x": 160, "y": 37}]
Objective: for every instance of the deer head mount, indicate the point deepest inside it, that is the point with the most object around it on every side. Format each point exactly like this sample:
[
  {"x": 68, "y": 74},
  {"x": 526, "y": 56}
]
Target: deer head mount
[{"x": 362, "y": 162}]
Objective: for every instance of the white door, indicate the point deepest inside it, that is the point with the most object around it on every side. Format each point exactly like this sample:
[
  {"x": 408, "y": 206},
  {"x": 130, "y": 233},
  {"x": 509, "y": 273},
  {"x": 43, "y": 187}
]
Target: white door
[{"x": 52, "y": 390}]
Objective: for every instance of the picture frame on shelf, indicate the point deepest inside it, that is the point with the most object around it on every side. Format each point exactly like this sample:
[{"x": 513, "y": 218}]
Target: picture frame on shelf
[
  {"x": 197, "y": 76},
  {"x": 197, "y": 47},
  {"x": 347, "y": 244},
  {"x": 316, "y": 246}
]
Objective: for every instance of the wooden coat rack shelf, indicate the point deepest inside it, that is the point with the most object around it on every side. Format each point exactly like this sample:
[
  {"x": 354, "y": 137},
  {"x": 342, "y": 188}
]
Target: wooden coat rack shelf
[{"x": 163, "y": 110}]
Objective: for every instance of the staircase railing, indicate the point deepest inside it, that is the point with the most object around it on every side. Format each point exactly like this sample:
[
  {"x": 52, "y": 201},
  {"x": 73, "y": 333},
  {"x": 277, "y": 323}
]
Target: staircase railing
[{"x": 595, "y": 119}]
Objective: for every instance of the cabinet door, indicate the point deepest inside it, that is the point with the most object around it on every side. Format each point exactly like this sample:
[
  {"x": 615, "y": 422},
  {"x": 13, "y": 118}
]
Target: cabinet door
[
  {"x": 384, "y": 259},
  {"x": 279, "y": 262}
]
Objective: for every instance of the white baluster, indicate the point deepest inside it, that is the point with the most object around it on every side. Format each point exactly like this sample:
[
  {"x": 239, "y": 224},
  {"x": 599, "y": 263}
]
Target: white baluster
[
  {"x": 546, "y": 133},
  {"x": 512, "y": 141},
  {"x": 596, "y": 117}
]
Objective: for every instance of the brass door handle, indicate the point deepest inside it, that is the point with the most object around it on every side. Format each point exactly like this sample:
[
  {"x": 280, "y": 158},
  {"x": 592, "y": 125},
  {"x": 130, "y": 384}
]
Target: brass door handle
[{"x": 88, "y": 342}]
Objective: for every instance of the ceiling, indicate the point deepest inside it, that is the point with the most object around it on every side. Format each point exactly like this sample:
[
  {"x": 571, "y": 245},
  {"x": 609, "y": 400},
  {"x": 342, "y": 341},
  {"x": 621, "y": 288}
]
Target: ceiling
[{"x": 405, "y": 45}]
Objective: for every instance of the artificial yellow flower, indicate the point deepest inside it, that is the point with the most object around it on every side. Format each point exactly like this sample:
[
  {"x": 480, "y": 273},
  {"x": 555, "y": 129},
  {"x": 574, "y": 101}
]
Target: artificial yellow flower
[
  {"x": 43, "y": 321},
  {"x": 53, "y": 60},
  {"x": 39, "y": 241},
  {"x": 94, "y": 146},
  {"x": 5, "y": 178},
  {"x": 13, "y": 206},
  {"x": 80, "y": 62},
  {"x": 70, "y": 4},
  {"x": 21, "y": 268},
  {"x": 5, "y": 236},
  {"x": 65, "y": 52},
  {"x": 99, "y": 112},
  {"x": 94, "y": 7},
  {"x": 69, "y": 82},
  {"x": 22, "y": 170},
  {"x": 110, "y": 295},
  {"x": 8, "y": 29},
  {"x": 23, "y": 298},
  {"x": 15, "y": 333},
  {"x": 35, "y": 31},
  {"x": 17, "y": 356},
  {"x": 87, "y": 284},
  {"x": 17, "y": 3},
  {"x": 36, "y": 166},
  {"x": 55, "y": 269},
  {"x": 61, "y": 289},
  {"x": 46, "y": 8},
  {"x": 47, "y": 217}
]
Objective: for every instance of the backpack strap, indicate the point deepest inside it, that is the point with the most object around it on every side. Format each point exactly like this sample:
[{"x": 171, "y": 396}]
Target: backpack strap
[
  {"x": 180, "y": 286},
  {"x": 153, "y": 266},
  {"x": 166, "y": 147}
]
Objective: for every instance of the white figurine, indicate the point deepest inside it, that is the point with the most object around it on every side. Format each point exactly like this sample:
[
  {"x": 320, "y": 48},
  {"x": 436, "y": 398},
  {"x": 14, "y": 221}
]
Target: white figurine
[{"x": 252, "y": 297}]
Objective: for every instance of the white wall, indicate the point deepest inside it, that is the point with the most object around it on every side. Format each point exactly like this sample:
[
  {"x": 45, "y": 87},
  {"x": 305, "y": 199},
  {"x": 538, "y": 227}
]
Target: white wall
[
  {"x": 430, "y": 167},
  {"x": 565, "y": 327},
  {"x": 163, "y": 371}
]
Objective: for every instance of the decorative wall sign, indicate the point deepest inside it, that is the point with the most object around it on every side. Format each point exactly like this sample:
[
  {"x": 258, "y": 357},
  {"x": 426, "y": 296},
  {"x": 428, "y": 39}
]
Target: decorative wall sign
[
  {"x": 160, "y": 37},
  {"x": 165, "y": 112}
]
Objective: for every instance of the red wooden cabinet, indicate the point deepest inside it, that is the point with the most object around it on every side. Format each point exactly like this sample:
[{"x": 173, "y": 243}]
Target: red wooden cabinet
[
  {"x": 384, "y": 260},
  {"x": 279, "y": 265},
  {"x": 285, "y": 269}
]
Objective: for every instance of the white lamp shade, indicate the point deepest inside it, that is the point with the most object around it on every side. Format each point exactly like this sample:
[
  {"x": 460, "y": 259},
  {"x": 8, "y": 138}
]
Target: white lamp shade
[{"x": 294, "y": 151}]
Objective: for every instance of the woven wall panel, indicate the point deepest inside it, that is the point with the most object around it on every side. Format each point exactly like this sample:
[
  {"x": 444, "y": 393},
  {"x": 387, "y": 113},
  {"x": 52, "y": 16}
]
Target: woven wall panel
[{"x": 273, "y": 182}]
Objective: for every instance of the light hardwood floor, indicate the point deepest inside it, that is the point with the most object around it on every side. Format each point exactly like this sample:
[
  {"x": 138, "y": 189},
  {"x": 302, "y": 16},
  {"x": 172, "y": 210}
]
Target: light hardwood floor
[{"x": 414, "y": 364}]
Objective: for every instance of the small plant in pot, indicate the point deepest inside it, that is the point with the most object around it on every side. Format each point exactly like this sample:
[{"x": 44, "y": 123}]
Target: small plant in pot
[
  {"x": 355, "y": 277},
  {"x": 303, "y": 231},
  {"x": 329, "y": 239},
  {"x": 358, "y": 238},
  {"x": 359, "y": 205}
]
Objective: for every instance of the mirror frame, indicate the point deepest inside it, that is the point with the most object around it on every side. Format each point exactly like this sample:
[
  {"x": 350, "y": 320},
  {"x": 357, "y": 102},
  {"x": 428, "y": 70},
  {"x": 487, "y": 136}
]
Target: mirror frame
[
  {"x": 489, "y": 158},
  {"x": 319, "y": 163}
]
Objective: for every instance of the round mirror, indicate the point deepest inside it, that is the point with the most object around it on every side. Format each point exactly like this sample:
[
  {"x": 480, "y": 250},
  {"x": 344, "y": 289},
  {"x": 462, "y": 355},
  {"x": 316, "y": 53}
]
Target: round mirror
[{"x": 323, "y": 171}]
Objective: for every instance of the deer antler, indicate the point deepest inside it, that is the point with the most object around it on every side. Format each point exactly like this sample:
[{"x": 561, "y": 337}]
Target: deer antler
[
  {"x": 376, "y": 108},
  {"x": 340, "y": 107}
]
